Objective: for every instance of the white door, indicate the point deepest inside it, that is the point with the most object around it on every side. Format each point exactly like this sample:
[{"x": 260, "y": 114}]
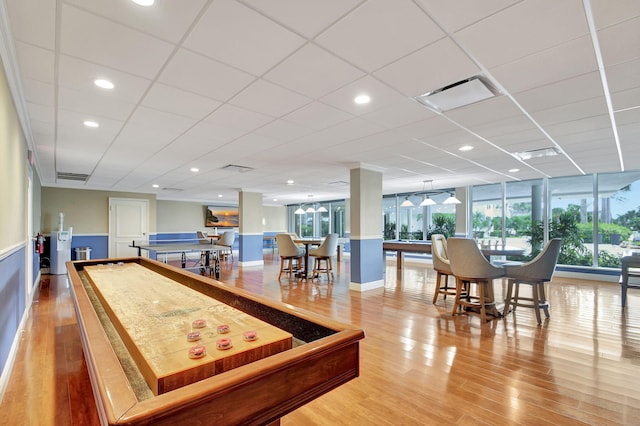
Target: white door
[{"x": 128, "y": 221}]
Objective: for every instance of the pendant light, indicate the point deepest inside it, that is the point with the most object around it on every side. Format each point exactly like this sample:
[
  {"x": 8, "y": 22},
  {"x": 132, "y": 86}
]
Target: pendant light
[
  {"x": 322, "y": 209},
  {"x": 451, "y": 200},
  {"x": 407, "y": 202},
  {"x": 299, "y": 211},
  {"x": 428, "y": 202},
  {"x": 311, "y": 209}
]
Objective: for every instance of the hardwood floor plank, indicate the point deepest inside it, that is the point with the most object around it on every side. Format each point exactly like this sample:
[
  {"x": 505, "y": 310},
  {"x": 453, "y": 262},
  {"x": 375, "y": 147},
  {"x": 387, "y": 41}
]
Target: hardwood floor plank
[{"x": 419, "y": 364}]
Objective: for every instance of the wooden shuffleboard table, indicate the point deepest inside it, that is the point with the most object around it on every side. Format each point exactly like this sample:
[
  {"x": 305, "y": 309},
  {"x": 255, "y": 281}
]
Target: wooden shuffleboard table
[{"x": 134, "y": 315}]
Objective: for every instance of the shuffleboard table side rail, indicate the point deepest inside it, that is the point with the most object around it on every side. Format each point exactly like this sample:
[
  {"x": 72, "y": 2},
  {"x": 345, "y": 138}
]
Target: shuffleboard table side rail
[{"x": 112, "y": 397}]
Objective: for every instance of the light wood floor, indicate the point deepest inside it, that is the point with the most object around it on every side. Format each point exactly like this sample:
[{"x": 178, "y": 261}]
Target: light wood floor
[{"x": 419, "y": 365}]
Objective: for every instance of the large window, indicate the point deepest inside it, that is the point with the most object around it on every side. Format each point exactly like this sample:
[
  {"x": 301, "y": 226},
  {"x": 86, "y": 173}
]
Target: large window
[
  {"x": 619, "y": 217},
  {"x": 404, "y": 218},
  {"x": 317, "y": 219}
]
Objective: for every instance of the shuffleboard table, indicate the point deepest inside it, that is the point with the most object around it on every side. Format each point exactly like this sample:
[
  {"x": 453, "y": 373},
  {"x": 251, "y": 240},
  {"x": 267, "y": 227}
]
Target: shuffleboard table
[{"x": 135, "y": 314}]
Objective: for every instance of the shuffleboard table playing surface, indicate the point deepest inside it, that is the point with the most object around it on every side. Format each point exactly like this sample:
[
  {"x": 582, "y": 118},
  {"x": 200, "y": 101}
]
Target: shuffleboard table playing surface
[{"x": 153, "y": 315}]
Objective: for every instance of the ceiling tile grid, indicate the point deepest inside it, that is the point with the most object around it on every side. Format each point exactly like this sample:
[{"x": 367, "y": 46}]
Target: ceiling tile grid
[{"x": 272, "y": 85}]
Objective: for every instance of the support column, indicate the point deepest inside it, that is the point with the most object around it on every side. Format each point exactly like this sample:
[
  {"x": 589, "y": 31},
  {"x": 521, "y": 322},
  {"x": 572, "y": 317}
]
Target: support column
[
  {"x": 250, "y": 238},
  {"x": 367, "y": 260}
]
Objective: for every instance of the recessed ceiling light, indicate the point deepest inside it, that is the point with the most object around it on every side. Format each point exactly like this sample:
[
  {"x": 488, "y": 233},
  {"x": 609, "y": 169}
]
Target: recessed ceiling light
[
  {"x": 362, "y": 99},
  {"x": 219, "y": 195},
  {"x": 105, "y": 84},
  {"x": 465, "y": 148},
  {"x": 275, "y": 199},
  {"x": 290, "y": 182},
  {"x": 144, "y": 2},
  {"x": 90, "y": 123},
  {"x": 514, "y": 170},
  {"x": 195, "y": 169},
  {"x": 155, "y": 185}
]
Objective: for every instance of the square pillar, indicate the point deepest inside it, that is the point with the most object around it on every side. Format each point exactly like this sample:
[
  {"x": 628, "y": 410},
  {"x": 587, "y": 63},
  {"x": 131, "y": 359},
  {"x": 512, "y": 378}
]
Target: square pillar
[
  {"x": 250, "y": 233},
  {"x": 367, "y": 260}
]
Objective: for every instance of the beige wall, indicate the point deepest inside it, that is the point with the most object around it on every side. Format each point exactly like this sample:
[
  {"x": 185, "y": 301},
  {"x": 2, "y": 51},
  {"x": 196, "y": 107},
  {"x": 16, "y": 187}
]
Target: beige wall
[
  {"x": 181, "y": 216},
  {"x": 275, "y": 218},
  {"x": 86, "y": 211},
  {"x": 14, "y": 172}
]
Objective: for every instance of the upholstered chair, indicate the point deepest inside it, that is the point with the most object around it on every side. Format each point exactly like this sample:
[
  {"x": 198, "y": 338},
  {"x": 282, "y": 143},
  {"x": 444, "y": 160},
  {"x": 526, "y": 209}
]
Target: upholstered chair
[
  {"x": 227, "y": 240},
  {"x": 324, "y": 254},
  {"x": 442, "y": 266},
  {"x": 534, "y": 273},
  {"x": 630, "y": 269},
  {"x": 469, "y": 265},
  {"x": 291, "y": 256}
]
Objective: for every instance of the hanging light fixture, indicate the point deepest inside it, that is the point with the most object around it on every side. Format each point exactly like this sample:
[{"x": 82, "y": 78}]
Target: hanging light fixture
[
  {"x": 427, "y": 200},
  {"x": 311, "y": 209},
  {"x": 451, "y": 200},
  {"x": 299, "y": 211},
  {"x": 322, "y": 209},
  {"x": 407, "y": 202}
]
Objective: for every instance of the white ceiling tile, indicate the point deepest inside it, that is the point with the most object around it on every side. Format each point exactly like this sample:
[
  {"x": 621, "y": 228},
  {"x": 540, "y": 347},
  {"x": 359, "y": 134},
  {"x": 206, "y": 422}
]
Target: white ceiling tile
[
  {"x": 371, "y": 37},
  {"x": 169, "y": 99},
  {"x": 33, "y": 22},
  {"x": 563, "y": 92},
  {"x": 381, "y": 96},
  {"x": 192, "y": 72},
  {"x": 415, "y": 74},
  {"x": 623, "y": 76},
  {"x": 523, "y": 29},
  {"x": 238, "y": 118},
  {"x": 614, "y": 52},
  {"x": 558, "y": 63},
  {"x": 313, "y": 72},
  {"x": 399, "y": 114},
  {"x": 118, "y": 44},
  {"x": 39, "y": 93},
  {"x": 606, "y": 15},
  {"x": 307, "y": 17},
  {"x": 284, "y": 130},
  {"x": 317, "y": 116},
  {"x": 94, "y": 105},
  {"x": 571, "y": 112},
  {"x": 36, "y": 63},
  {"x": 213, "y": 135},
  {"x": 167, "y": 20},
  {"x": 80, "y": 75},
  {"x": 464, "y": 13},
  {"x": 238, "y": 36},
  {"x": 269, "y": 99}
]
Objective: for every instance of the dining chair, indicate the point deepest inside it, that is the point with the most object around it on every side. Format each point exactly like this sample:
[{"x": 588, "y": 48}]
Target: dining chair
[
  {"x": 630, "y": 269},
  {"x": 535, "y": 273},
  {"x": 469, "y": 265},
  {"x": 442, "y": 266},
  {"x": 290, "y": 255},
  {"x": 227, "y": 240},
  {"x": 325, "y": 253}
]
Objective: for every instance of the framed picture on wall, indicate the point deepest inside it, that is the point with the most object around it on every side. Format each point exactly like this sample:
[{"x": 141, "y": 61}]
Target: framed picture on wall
[{"x": 222, "y": 216}]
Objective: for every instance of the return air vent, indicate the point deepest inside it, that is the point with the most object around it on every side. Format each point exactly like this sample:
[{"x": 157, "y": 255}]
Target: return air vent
[
  {"x": 172, "y": 189},
  {"x": 236, "y": 168},
  {"x": 459, "y": 94},
  {"x": 78, "y": 177}
]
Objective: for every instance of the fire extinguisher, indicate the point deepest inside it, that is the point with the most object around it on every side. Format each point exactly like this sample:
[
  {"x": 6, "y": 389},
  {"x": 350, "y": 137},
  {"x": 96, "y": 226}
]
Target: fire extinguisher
[{"x": 39, "y": 243}]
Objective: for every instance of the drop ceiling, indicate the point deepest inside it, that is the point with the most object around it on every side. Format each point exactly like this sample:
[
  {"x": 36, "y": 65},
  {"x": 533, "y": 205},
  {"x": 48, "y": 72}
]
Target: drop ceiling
[{"x": 270, "y": 86}]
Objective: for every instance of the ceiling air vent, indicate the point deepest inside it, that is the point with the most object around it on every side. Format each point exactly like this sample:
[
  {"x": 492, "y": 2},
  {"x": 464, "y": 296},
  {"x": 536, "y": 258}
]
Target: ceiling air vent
[
  {"x": 459, "y": 94},
  {"x": 537, "y": 153},
  {"x": 172, "y": 189},
  {"x": 78, "y": 177},
  {"x": 338, "y": 183},
  {"x": 236, "y": 168}
]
